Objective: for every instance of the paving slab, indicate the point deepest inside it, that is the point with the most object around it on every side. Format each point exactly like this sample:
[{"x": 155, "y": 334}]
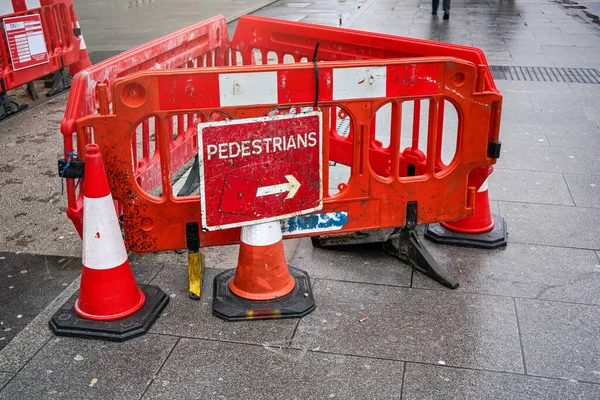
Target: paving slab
[
  {"x": 542, "y": 272},
  {"x": 523, "y": 134},
  {"x": 34, "y": 336},
  {"x": 356, "y": 263},
  {"x": 585, "y": 189},
  {"x": 412, "y": 325},
  {"x": 33, "y": 208},
  {"x": 584, "y": 135},
  {"x": 550, "y": 159},
  {"x": 91, "y": 369},
  {"x": 4, "y": 378},
  {"x": 200, "y": 369},
  {"x": 529, "y": 187},
  {"x": 560, "y": 339},
  {"x": 550, "y": 225},
  {"x": 448, "y": 383},
  {"x": 193, "y": 318},
  {"x": 20, "y": 301},
  {"x": 550, "y": 88}
]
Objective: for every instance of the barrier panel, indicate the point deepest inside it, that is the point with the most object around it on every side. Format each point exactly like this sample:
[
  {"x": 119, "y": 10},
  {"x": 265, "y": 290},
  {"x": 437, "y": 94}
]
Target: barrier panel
[
  {"x": 395, "y": 157},
  {"x": 199, "y": 45},
  {"x": 38, "y": 38}
]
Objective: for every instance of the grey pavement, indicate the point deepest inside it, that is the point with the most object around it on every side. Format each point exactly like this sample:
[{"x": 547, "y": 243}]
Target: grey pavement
[{"x": 523, "y": 324}]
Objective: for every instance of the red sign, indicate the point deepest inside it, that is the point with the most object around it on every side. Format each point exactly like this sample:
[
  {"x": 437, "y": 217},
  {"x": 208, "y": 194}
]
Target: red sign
[
  {"x": 26, "y": 42},
  {"x": 260, "y": 169}
]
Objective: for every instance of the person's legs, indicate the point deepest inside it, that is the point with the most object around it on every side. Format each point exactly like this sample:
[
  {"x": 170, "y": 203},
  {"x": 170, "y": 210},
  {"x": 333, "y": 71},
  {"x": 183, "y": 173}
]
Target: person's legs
[
  {"x": 435, "y": 4},
  {"x": 446, "y": 7}
]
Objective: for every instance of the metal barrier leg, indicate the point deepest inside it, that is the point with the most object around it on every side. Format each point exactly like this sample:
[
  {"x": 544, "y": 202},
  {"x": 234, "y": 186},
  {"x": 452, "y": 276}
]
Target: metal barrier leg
[
  {"x": 32, "y": 91},
  {"x": 192, "y": 181},
  {"x": 8, "y": 107},
  {"x": 61, "y": 81},
  {"x": 406, "y": 246}
]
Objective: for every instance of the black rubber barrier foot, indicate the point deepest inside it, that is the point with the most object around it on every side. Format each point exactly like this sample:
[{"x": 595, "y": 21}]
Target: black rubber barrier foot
[
  {"x": 65, "y": 322},
  {"x": 61, "y": 81},
  {"x": 9, "y": 107},
  {"x": 406, "y": 246},
  {"x": 230, "y": 307},
  {"x": 493, "y": 239}
]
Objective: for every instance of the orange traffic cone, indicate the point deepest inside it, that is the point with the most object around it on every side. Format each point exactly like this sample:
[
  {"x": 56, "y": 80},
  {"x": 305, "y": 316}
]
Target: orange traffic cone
[
  {"x": 480, "y": 230},
  {"x": 84, "y": 58},
  {"x": 262, "y": 286},
  {"x": 110, "y": 304}
]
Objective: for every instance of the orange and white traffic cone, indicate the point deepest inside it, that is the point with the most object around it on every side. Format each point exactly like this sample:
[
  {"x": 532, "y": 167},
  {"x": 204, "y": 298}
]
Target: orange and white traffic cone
[
  {"x": 110, "y": 304},
  {"x": 480, "y": 230},
  {"x": 262, "y": 286},
  {"x": 84, "y": 58}
]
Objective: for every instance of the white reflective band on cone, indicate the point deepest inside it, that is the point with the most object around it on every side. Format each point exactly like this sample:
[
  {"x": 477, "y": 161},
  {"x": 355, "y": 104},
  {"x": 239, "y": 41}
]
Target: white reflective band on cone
[
  {"x": 484, "y": 186},
  {"x": 82, "y": 46},
  {"x": 103, "y": 246},
  {"x": 264, "y": 234}
]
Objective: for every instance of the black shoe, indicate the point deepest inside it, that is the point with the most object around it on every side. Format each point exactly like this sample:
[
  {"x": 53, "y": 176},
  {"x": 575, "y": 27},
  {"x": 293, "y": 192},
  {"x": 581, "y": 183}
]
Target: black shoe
[
  {"x": 446, "y": 15},
  {"x": 434, "y": 13}
]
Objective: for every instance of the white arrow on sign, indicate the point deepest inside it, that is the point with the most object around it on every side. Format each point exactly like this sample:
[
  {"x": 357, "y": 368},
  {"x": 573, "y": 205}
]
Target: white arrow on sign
[{"x": 291, "y": 187}]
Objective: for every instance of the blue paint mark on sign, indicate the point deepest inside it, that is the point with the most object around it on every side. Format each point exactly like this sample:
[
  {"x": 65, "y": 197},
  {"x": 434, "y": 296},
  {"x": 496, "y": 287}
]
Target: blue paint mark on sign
[{"x": 315, "y": 223}]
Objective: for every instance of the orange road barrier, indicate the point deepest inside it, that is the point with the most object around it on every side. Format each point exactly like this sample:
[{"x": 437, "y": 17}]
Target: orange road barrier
[
  {"x": 407, "y": 121},
  {"x": 109, "y": 305},
  {"x": 198, "y": 45},
  {"x": 38, "y": 37}
]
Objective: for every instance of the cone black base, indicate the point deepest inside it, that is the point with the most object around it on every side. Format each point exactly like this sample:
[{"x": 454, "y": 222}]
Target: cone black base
[
  {"x": 65, "y": 322},
  {"x": 493, "y": 239},
  {"x": 230, "y": 307}
]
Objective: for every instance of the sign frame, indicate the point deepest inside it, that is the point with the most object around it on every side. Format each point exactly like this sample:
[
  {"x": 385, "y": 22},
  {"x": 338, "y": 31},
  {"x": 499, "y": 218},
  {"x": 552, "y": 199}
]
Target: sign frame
[
  {"x": 16, "y": 64},
  {"x": 200, "y": 126}
]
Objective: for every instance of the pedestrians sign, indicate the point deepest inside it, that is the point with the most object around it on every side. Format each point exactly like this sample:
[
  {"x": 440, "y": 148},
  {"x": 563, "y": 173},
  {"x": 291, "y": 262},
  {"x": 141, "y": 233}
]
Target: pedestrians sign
[
  {"x": 26, "y": 43},
  {"x": 260, "y": 169}
]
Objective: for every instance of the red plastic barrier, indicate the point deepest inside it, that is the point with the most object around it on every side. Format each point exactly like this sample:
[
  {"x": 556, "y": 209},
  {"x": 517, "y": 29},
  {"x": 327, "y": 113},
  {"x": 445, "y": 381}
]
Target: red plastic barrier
[
  {"x": 205, "y": 43},
  {"x": 52, "y": 26}
]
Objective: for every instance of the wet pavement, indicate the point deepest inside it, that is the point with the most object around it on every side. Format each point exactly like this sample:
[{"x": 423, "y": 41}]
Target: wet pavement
[{"x": 523, "y": 324}]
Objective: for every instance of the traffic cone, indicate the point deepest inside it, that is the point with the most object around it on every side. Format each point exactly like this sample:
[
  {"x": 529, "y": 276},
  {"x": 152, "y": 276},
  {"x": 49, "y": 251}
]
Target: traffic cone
[
  {"x": 110, "y": 304},
  {"x": 262, "y": 286},
  {"x": 480, "y": 230},
  {"x": 84, "y": 58}
]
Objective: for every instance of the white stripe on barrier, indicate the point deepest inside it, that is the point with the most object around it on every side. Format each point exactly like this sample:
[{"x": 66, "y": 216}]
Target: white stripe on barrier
[
  {"x": 242, "y": 89},
  {"x": 483, "y": 187},
  {"x": 6, "y": 8},
  {"x": 264, "y": 234},
  {"x": 359, "y": 83},
  {"x": 103, "y": 246},
  {"x": 32, "y": 4}
]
